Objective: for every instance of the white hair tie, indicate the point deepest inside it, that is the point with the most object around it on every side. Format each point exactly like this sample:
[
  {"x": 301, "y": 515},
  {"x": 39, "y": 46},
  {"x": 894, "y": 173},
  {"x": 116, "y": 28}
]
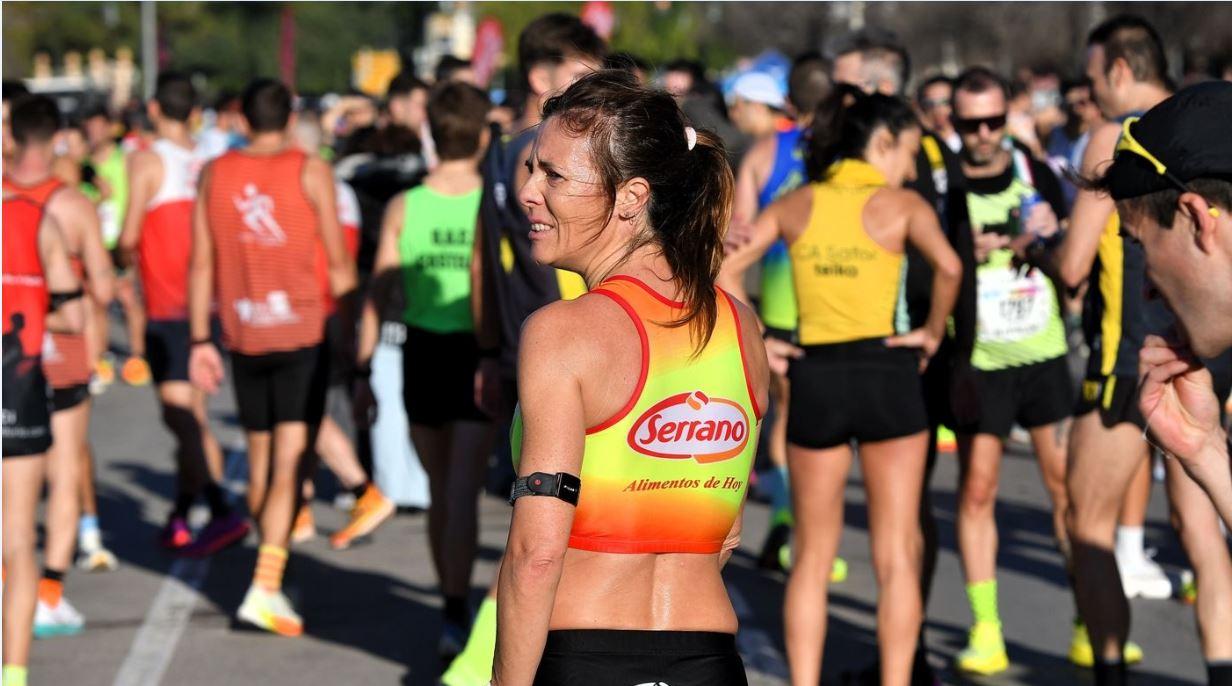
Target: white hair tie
[{"x": 690, "y": 135}]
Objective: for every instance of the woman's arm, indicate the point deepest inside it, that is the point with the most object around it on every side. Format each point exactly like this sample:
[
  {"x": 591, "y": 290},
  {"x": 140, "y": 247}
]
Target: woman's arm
[
  {"x": 67, "y": 317},
  {"x": 924, "y": 232},
  {"x": 553, "y": 436}
]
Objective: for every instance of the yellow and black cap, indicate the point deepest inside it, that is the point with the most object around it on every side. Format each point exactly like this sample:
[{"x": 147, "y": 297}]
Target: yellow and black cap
[{"x": 1186, "y": 137}]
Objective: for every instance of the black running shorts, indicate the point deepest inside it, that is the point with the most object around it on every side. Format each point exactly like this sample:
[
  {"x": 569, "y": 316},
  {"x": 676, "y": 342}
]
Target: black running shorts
[
  {"x": 280, "y": 387},
  {"x": 69, "y": 397},
  {"x": 1032, "y": 395},
  {"x": 438, "y": 377},
  {"x": 167, "y": 348},
  {"x": 27, "y": 407},
  {"x": 603, "y": 657},
  {"x": 860, "y": 391}
]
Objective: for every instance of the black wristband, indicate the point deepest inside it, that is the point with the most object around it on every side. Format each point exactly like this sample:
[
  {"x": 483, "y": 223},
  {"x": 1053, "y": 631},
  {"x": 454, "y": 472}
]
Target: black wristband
[
  {"x": 200, "y": 341},
  {"x": 363, "y": 371},
  {"x": 566, "y": 487}
]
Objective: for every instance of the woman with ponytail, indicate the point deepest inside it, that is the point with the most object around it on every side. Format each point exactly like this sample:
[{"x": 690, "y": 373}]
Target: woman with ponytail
[
  {"x": 639, "y": 404},
  {"x": 856, "y": 375}
]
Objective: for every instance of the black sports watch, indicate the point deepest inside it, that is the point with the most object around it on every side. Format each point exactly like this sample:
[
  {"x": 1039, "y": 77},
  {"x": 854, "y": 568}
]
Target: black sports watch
[{"x": 566, "y": 487}]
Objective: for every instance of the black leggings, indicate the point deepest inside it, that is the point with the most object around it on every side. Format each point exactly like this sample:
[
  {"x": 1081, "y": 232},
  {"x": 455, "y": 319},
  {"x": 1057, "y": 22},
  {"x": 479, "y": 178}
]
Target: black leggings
[{"x": 603, "y": 657}]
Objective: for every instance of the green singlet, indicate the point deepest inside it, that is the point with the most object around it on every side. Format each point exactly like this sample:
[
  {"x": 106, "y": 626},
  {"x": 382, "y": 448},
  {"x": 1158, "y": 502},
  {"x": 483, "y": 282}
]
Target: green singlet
[{"x": 435, "y": 246}]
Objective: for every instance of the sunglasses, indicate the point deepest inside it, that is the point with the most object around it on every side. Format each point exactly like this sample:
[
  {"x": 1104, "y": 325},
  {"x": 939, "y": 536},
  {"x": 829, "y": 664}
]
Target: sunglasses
[
  {"x": 963, "y": 125},
  {"x": 934, "y": 103},
  {"x": 1131, "y": 145}
]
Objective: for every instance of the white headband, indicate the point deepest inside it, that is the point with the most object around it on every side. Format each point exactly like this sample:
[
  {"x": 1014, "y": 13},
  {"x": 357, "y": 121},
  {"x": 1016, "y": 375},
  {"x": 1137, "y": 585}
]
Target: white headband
[{"x": 690, "y": 135}]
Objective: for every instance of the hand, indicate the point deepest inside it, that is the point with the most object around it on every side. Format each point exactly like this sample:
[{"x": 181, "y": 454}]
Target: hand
[
  {"x": 205, "y": 368},
  {"x": 1177, "y": 399},
  {"x": 1041, "y": 221},
  {"x": 739, "y": 234},
  {"x": 985, "y": 243},
  {"x": 489, "y": 391},
  {"x": 780, "y": 353},
  {"x": 923, "y": 340},
  {"x": 363, "y": 403}
]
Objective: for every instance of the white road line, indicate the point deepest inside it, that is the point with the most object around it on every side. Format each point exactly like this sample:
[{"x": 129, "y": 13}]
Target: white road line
[
  {"x": 165, "y": 621},
  {"x": 154, "y": 644},
  {"x": 758, "y": 651}
]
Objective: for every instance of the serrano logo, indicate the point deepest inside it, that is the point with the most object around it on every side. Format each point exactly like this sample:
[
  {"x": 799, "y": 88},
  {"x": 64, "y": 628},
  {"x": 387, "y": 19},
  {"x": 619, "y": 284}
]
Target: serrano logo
[{"x": 691, "y": 425}]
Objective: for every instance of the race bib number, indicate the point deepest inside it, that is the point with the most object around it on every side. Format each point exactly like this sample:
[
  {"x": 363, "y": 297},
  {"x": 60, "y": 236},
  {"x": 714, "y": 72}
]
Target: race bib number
[{"x": 1012, "y": 306}]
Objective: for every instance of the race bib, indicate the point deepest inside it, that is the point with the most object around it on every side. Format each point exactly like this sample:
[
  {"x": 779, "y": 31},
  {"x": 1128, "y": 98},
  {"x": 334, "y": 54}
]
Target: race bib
[{"x": 1012, "y": 306}]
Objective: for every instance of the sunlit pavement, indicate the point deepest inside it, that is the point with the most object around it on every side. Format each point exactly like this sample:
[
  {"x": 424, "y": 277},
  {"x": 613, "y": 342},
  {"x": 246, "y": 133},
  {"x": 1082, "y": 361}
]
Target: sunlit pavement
[{"x": 372, "y": 616}]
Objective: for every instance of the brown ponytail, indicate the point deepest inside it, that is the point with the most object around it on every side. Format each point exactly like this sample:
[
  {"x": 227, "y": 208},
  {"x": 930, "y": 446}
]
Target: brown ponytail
[{"x": 637, "y": 132}]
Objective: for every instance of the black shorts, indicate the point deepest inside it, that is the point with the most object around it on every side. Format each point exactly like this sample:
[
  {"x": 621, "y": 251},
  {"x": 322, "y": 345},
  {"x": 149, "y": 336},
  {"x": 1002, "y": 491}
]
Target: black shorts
[
  {"x": 1032, "y": 395},
  {"x": 860, "y": 391},
  {"x": 69, "y": 397},
  {"x": 1116, "y": 398},
  {"x": 27, "y": 407},
  {"x": 280, "y": 387},
  {"x": 438, "y": 377},
  {"x": 167, "y": 347},
  {"x": 604, "y": 657}
]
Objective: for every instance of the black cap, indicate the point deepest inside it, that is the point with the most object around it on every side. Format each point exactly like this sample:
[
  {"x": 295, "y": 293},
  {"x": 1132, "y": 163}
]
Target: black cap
[{"x": 1190, "y": 133}]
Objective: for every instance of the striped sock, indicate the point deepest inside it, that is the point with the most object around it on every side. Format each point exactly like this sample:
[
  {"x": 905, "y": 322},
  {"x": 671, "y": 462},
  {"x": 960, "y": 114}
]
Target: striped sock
[
  {"x": 983, "y": 598},
  {"x": 271, "y": 562}
]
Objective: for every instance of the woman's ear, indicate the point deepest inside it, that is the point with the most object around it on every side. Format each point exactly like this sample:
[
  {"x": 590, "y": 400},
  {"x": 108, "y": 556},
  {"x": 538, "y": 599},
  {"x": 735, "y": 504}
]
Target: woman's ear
[{"x": 632, "y": 197}]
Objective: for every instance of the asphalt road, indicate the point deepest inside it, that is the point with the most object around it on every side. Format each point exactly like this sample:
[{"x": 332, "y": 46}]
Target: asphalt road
[{"x": 372, "y": 615}]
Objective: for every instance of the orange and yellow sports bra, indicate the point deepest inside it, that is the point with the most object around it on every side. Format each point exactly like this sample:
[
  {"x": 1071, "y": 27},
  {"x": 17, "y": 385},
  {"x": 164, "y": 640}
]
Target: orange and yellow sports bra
[{"x": 668, "y": 473}]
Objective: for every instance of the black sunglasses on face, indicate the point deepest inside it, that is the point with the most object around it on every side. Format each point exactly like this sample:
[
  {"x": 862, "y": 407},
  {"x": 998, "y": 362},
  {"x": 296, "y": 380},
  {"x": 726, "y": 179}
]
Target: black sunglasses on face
[
  {"x": 962, "y": 125},
  {"x": 934, "y": 103}
]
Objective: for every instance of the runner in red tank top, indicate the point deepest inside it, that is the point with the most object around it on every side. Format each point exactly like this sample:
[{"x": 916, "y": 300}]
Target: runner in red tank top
[
  {"x": 67, "y": 363},
  {"x": 35, "y": 262},
  {"x": 261, "y": 215},
  {"x": 335, "y": 444},
  {"x": 158, "y": 236}
]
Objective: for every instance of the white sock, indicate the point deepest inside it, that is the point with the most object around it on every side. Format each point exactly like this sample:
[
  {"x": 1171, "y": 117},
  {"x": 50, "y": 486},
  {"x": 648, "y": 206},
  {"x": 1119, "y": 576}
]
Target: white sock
[{"x": 1129, "y": 543}]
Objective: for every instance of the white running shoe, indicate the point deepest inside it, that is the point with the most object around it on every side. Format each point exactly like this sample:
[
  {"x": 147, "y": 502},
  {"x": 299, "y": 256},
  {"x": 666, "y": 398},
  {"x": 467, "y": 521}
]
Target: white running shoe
[
  {"x": 1142, "y": 578},
  {"x": 61, "y": 619},
  {"x": 92, "y": 556},
  {"x": 270, "y": 610}
]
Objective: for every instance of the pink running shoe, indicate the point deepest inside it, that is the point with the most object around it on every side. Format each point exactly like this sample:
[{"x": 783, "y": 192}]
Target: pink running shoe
[
  {"x": 175, "y": 535},
  {"x": 218, "y": 534}
]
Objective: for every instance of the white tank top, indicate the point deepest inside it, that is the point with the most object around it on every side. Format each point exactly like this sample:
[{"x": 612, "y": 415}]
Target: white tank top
[{"x": 180, "y": 170}]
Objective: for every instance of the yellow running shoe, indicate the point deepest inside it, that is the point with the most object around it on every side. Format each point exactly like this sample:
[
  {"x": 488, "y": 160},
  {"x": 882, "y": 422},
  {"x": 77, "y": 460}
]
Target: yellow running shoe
[
  {"x": 270, "y": 610},
  {"x": 104, "y": 369},
  {"x": 371, "y": 509},
  {"x": 1081, "y": 654},
  {"x": 135, "y": 372},
  {"x": 1189, "y": 587},
  {"x": 947, "y": 442},
  {"x": 305, "y": 526},
  {"x": 985, "y": 651}
]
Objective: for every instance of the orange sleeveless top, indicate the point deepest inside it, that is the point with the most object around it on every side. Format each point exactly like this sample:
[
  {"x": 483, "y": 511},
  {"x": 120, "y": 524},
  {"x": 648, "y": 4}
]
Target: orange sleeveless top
[
  {"x": 65, "y": 360},
  {"x": 266, "y": 239}
]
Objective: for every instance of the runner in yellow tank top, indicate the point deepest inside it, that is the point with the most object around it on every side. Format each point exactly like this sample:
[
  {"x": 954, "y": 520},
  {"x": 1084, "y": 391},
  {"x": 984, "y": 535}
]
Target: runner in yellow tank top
[
  {"x": 856, "y": 378},
  {"x": 649, "y": 389}
]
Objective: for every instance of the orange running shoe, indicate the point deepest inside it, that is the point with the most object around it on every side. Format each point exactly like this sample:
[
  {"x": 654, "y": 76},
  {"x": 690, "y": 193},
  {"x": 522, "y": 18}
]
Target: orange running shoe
[
  {"x": 369, "y": 512},
  {"x": 135, "y": 372},
  {"x": 305, "y": 526}
]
